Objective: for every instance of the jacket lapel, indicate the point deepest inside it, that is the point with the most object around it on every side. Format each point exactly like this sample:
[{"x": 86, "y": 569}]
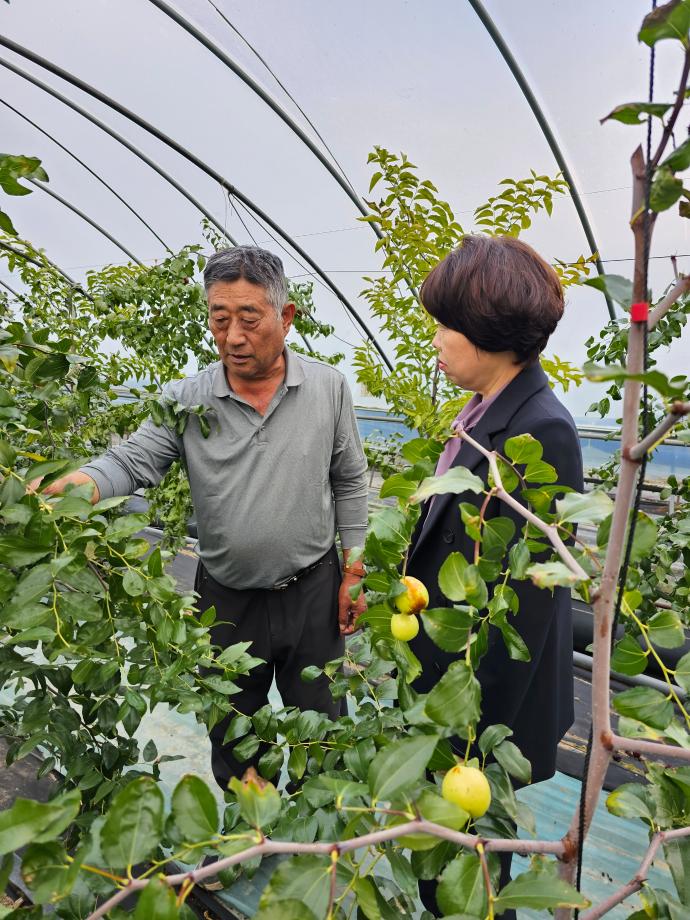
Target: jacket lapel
[{"x": 499, "y": 415}]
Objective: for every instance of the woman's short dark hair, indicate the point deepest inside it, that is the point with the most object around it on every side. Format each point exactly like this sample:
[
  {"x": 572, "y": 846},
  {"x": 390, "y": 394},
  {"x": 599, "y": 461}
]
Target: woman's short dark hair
[{"x": 499, "y": 293}]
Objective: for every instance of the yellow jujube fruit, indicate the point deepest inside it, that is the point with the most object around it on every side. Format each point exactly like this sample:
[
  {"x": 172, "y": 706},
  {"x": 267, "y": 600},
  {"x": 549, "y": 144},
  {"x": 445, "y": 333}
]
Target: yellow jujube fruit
[
  {"x": 468, "y": 788},
  {"x": 415, "y": 598},
  {"x": 404, "y": 626}
]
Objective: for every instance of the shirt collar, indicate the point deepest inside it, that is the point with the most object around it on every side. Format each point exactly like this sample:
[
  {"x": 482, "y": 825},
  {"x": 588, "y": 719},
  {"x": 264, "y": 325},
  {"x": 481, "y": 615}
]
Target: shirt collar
[{"x": 294, "y": 375}]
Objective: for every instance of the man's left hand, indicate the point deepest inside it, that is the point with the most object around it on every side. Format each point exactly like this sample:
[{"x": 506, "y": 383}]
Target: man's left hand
[{"x": 349, "y": 610}]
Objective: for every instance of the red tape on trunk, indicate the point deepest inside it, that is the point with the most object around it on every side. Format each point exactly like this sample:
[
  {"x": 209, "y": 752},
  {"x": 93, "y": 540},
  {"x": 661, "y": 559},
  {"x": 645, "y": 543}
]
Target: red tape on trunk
[{"x": 639, "y": 312}]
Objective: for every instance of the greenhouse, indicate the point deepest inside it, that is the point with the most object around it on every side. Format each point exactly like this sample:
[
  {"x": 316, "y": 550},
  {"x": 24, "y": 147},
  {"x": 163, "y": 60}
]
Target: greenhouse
[{"x": 344, "y": 460}]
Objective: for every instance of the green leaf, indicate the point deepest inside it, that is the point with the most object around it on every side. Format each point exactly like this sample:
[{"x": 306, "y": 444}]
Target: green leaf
[
  {"x": 518, "y": 559},
  {"x": 432, "y": 807},
  {"x": 683, "y": 672},
  {"x": 679, "y": 159},
  {"x": 246, "y": 748},
  {"x": 427, "y": 864},
  {"x": 455, "y": 700},
  {"x": 124, "y": 527},
  {"x": 631, "y": 800},
  {"x": 390, "y": 525},
  {"x": 538, "y": 891},
  {"x": 133, "y": 583},
  {"x": 540, "y": 472},
  {"x": 271, "y": 762},
  {"x": 450, "y": 579},
  {"x": 134, "y": 824},
  {"x": 6, "y": 224},
  {"x": 646, "y": 705},
  {"x": 397, "y": 485},
  {"x": 289, "y": 909},
  {"x": 259, "y": 800},
  {"x": 629, "y": 112},
  {"x": 584, "y": 508},
  {"x": 297, "y": 762},
  {"x": 666, "y": 629},
  {"x": 551, "y": 575},
  {"x": 674, "y": 387},
  {"x": 7, "y": 454},
  {"x": 365, "y": 892},
  {"x": 47, "y": 872},
  {"x": 448, "y": 627},
  {"x": 457, "y": 480},
  {"x": 617, "y": 287},
  {"x": 157, "y": 901},
  {"x": 305, "y": 879},
  {"x": 36, "y": 822},
  {"x": 17, "y": 551},
  {"x": 497, "y": 534},
  {"x": 513, "y": 761},
  {"x": 628, "y": 657},
  {"x": 645, "y": 537},
  {"x": 461, "y": 888},
  {"x": 666, "y": 189},
  {"x": 399, "y": 765},
  {"x": 524, "y": 448},
  {"x": 677, "y": 853},
  {"x": 672, "y": 20},
  {"x": 194, "y": 810},
  {"x": 492, "y": 736}
]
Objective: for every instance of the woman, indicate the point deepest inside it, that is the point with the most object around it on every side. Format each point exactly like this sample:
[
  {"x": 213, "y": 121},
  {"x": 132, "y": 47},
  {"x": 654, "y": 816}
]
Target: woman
[{"x": 496, "y": 303}]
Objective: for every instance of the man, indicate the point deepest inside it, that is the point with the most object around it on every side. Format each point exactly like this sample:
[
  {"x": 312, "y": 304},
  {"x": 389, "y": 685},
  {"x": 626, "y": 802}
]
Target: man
[{"x": 282, "y": 467}]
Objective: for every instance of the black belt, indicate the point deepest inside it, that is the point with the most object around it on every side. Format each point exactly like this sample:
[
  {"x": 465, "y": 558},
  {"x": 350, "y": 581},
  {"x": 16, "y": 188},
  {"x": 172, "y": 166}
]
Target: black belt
[{"x": 281, "y": 585}]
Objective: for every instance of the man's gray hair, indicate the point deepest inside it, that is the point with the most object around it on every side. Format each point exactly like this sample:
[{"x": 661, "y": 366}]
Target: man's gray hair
[{"x": 250, "y": 263}]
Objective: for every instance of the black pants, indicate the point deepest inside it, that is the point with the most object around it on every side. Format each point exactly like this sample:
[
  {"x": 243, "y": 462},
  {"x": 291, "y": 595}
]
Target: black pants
[{"x": 289, "y": 629}]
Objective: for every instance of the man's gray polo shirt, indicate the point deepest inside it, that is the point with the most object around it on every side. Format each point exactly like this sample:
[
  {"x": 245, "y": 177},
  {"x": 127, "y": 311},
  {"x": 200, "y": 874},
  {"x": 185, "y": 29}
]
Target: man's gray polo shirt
[{"x": 268, "y": 491}]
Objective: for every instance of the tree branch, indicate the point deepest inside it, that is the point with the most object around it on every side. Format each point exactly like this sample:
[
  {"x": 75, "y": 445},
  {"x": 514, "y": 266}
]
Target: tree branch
[
  {"x": 675, "y": 112},
  {"x": 549, "y": 530},
  {"x": 274, "y": 847},
  {"x": 682, "y": 286},
  {"x": 654, "y": 748},
  {"x": 640, "y": 877},
  {"x": 678, "y": 410}
]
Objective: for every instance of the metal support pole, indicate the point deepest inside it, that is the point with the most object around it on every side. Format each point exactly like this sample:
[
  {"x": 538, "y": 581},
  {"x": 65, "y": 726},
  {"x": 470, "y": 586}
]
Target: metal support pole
[{"x": 543, "y": 123}]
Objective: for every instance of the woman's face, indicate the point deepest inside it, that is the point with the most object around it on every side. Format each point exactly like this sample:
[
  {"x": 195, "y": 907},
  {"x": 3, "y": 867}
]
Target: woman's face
[
  {"x": 460, "y": 360},
  {"x": 469, "y": 367}
]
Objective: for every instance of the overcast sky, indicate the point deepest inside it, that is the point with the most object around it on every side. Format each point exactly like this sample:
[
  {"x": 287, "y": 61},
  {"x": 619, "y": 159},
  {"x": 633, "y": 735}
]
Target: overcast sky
[{"x": 423, "y": 77}]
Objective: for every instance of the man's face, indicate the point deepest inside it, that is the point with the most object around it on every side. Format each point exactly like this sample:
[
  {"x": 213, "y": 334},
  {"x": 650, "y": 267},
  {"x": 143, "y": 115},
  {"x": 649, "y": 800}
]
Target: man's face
[{"x": 249, "y": 335}]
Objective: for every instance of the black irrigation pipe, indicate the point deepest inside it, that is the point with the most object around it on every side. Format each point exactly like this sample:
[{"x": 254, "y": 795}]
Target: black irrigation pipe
[
  {"x": 222, "y": 56},
  {"x": 543, "y": 123},
  {"x": 192, "y": 158},
  {"x": 85, "y": 217},
  {"x": 118, "y": 137},
  {"x": 89, "y": 170}
]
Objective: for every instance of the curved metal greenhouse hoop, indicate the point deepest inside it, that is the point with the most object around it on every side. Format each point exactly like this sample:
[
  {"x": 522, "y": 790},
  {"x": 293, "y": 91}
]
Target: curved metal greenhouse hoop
[
  {"x": 85, "y": 217},
  {"x": 222, "y": 56},
  {"x": 87, "y": 168},
  {"x": 118, "y": 137},
  {"x": 209, "y": 171},
  {"x": 521, "y": 80}
]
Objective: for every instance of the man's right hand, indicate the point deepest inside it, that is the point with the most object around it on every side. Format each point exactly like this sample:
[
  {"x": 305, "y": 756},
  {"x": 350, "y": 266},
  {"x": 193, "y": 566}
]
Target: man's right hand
[{"x": 59, "y": 485}]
